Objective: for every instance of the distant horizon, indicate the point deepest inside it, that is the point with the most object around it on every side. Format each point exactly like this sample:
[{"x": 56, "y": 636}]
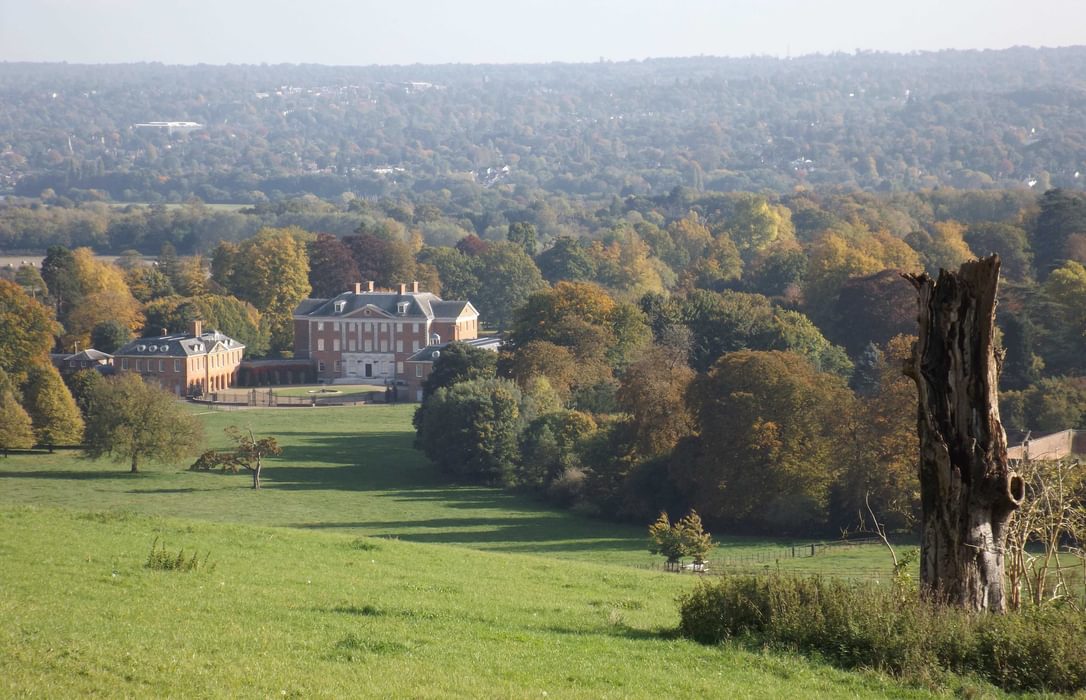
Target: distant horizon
[
  {"x": 602, "y": 60},
  {"x": 363, "y": 33}
]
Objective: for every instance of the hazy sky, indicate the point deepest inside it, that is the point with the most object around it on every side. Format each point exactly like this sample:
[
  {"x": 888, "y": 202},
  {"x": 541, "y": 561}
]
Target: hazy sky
[{"x": 361, "y": 32}]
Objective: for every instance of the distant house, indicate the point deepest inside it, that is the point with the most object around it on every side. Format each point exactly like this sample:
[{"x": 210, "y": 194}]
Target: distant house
[
  {"x": 1062, "y": 445},
  {"x": 188, "y": 364},
  {"x": 170, "y": 127},
  {"x": 421, "y": 364},
  {"x": 367, "y": 334},
  {"x": 84, "y": 359}
]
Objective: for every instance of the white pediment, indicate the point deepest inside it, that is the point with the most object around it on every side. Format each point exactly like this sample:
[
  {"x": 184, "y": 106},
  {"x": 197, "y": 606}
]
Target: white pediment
[{"x": 368, "y": 311}]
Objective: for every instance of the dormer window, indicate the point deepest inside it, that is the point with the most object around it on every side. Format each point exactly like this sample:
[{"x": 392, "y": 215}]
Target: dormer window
[
  {"x": 401, "y": 307},
  {"x": 340, "y": 306}
]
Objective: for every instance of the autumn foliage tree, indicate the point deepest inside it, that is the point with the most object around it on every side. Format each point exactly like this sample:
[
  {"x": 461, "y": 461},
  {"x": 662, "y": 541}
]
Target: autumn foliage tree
[
  {"x": 652, "y": 393},
  {"x": 26, "y": 332},
  {"x": 105, "y": 297},
  {"x": 387, "y": 262},
  {"x": 880, "y": 467},
  {"x": 52, "y": 409},
  {"x": 332, "y": 269},
  {"x": 599, "y": 332},
  {"x": 131, "y": 420},
  {"x": 271, "y": 272},
  {"x": 16, "y": 428},
  {"x": 770, "y": 430}
]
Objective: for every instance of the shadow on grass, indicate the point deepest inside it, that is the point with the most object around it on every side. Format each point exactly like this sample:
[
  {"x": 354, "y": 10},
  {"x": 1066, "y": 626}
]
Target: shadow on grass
[
  {"x": 356, "y": 462},
  {"x": 529, "y": 534},
  {"x": 618, "y": 630},
  {"x": 179, "y": 490},
  {"x": 72, "y": 475}
]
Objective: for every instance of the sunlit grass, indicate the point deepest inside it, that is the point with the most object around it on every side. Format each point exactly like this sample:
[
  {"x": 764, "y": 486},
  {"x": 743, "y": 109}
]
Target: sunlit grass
[
  {"x": 282, "y": 612},
  {"x": 352, "y": 470},
  {"x": 357, "y": 571}
]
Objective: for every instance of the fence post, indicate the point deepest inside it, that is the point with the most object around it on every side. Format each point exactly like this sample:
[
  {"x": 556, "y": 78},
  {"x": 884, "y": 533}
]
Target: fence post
[{"x": 812, "y": 550}]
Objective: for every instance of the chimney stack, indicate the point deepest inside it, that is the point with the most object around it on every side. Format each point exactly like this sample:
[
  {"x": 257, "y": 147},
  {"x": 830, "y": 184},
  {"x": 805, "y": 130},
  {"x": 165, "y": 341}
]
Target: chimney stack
[
  {"x": 197, "y": 328},
  {"x": 415, "y": 287},
  {"x": 369, "y": 286},
  {"x": 403, "y": 289},
  {"x": 357, "y": 287}
]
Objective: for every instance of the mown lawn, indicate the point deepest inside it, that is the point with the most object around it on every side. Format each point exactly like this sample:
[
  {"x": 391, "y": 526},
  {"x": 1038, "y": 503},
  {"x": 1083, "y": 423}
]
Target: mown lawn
[
  {"x": 304, "y": 613},
  {"x": 358, "y": 571},
  {"x": 354, "y": 470}
]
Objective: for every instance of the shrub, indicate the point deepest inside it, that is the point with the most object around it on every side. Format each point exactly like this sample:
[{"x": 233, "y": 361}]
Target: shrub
[
  {"x": 685, "y": 538},
  {"x": 862, "y": 626},
  {"x": 161, "y": 560}
]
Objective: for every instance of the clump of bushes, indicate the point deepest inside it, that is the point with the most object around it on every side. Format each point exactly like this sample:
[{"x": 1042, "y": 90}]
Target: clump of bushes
[
  {"x": 855, "y": 625},
  {"x": 162, "y": 560},
  {"x": 685, "y": 538}
]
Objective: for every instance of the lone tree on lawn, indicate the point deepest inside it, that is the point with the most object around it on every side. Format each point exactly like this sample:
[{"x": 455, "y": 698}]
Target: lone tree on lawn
[
  {"x": 131, "y": 420},
  {"x": 967, "y": 489},
  {"x": 249, "y": 454}
]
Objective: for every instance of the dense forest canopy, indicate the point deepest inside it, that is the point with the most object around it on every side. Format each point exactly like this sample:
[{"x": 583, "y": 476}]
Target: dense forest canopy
[
  {"x": 688, "y": 258},
  {"x": 875, "y": 121}
]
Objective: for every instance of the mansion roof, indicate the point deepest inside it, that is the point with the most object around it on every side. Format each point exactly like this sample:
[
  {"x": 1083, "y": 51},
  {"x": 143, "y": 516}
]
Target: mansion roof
[
  {"x": 410, "y": 305},
  {"x": 178, "y": 345},
  {"x": 432, "y": 352}
]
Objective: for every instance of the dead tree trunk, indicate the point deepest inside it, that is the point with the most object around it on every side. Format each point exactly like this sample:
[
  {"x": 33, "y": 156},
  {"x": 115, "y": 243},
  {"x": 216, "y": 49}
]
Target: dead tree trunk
[{"x": 967, "y": 489}]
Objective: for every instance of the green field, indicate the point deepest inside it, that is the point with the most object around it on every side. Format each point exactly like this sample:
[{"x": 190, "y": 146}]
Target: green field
[
  {"x": 356, "y": 571},
  {"x": 324, "y": 394}
]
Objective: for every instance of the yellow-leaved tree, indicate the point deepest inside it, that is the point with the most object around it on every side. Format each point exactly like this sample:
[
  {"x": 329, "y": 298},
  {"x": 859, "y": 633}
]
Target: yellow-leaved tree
[
  {"x": 106, "y": 297},
  {"x": 271, "y": 272}
]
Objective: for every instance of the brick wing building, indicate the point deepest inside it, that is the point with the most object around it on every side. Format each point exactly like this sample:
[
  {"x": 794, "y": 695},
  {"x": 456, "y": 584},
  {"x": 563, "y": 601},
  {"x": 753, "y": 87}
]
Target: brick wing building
[
  {"x": 187, "y": 364},
  {"x": 420, "y": 365},
  {"x": 365, "y": 334}
]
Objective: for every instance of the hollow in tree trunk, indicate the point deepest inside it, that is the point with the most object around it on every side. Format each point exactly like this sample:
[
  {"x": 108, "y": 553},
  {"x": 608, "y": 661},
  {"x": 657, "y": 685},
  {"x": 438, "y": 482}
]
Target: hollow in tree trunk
[{"x": 967, "y": 489}]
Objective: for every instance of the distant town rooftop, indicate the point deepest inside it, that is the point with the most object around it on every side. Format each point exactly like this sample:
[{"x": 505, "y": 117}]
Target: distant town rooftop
[{"x": 170, "y": 126}]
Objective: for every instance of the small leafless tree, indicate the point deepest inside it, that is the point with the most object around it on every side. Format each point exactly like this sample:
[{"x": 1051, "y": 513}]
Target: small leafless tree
[{"x": 1046, "y": 536}]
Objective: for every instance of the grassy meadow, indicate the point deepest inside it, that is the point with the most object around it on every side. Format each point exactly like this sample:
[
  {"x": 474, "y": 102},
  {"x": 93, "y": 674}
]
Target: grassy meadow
[{"x": 356, "y": 571}]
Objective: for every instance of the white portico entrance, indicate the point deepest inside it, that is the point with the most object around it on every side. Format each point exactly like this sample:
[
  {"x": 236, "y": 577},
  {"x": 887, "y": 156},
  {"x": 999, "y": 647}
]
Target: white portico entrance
[{"x": 369, "y": 365}]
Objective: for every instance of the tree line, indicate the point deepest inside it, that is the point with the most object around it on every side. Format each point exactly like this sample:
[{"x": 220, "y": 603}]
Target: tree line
[
  {"x": 674, "y": 288},
  {"x": 875, "y": 121}
]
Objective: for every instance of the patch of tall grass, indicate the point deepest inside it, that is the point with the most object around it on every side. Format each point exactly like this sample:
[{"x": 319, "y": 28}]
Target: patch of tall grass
[{"x": 888, "y": 628}]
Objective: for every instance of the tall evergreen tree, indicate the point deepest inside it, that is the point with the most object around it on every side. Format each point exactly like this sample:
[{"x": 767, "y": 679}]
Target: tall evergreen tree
[
  {"x": 59, "y": 270},
  {"x": 1062, "y": 214}
]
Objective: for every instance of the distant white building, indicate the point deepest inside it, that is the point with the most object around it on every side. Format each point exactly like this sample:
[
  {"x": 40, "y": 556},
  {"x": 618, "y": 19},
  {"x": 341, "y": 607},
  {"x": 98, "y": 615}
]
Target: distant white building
[{"x": 171, "y": 127}]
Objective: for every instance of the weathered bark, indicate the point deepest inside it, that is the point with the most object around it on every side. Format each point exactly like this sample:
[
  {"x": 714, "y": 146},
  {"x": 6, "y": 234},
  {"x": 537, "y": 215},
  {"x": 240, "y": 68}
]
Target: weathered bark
[
  {"x": 135, "y": 467},
  {"x": 256, "y": 473},
  {"x": 967, "y": 489}
]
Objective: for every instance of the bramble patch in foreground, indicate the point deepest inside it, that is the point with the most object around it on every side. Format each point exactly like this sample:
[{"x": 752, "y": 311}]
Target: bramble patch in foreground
[{"x": 854, "y": 625}]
